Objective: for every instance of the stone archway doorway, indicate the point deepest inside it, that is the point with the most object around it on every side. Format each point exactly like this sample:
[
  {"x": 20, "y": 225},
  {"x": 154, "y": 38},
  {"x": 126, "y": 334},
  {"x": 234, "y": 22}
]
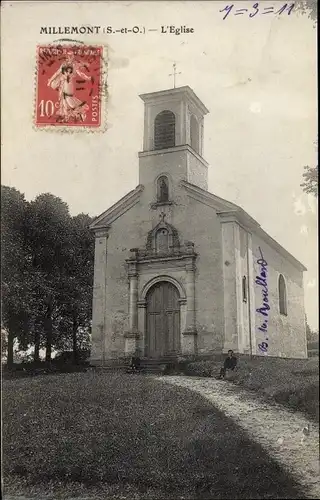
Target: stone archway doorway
[{"x": 162, "y": 321}]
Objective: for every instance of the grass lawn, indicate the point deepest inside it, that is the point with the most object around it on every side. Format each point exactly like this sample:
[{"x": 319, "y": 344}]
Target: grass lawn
[
  {"x": 131, "y": 437},
  {"x": 292, "y": 382}
]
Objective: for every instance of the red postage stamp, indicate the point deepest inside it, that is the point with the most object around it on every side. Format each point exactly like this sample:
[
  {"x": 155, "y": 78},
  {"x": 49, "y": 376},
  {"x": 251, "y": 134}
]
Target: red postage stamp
[{"x": 69, "y": 86}]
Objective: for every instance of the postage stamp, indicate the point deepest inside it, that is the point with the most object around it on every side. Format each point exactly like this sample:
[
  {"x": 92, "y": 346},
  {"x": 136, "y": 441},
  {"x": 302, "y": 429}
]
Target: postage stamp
[{"x": 70, "y": 87}]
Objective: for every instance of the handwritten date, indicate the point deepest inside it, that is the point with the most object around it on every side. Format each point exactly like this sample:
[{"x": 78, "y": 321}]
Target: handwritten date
[{"x": 257, "y": 10}]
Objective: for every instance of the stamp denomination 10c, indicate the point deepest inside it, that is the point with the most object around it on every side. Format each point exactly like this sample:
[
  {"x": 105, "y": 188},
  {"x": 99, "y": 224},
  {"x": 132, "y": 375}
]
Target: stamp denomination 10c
[{"x": 69, "y": 86}]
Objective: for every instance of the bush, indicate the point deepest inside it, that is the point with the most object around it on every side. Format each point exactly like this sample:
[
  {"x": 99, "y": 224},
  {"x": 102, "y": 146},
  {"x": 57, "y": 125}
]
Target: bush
[
  {"x": 304, "y": 397},
  {"x": 32, "y": 368},
  {"x": 67, "y": 357},
  {"x": 200, "y": 368}
]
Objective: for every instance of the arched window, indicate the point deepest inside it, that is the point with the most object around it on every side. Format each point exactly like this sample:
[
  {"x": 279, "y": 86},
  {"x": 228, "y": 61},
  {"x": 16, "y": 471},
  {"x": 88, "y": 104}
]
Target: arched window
[
  {"x": 162, "y": 241},
  {"x": 282, "y": 295},
  {"x": 163, "y": 189},
  {"x": 194, "y": 133},
  {"x": 164, "y": 130}
]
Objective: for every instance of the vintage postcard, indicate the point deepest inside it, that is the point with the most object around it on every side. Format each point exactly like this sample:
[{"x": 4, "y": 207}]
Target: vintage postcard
[{"x": 159, "y": 329}]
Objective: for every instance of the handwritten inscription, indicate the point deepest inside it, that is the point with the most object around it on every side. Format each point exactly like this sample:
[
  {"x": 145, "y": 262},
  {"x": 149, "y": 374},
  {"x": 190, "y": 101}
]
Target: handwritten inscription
[
  {"x": 257, "y": 10},
  {"x": 262, "y": 281}
]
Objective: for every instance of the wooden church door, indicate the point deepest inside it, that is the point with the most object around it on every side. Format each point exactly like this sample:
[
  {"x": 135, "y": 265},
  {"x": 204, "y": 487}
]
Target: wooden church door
[{"x": 163, "y": 320}]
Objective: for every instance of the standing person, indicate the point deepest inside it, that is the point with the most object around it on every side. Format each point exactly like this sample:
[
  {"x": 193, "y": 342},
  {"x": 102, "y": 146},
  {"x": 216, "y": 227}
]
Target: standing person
[{"x": 229, "y": 364}]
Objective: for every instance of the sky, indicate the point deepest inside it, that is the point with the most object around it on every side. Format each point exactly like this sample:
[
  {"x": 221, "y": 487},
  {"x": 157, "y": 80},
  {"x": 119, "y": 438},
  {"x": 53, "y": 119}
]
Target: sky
[{"x": 256, "y": 75}]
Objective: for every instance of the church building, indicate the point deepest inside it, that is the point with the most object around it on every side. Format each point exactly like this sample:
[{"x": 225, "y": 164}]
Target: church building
[{"x": 180, "y": 271}]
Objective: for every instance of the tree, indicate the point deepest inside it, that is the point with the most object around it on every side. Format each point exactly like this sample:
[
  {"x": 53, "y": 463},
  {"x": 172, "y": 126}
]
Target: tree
[
  {"x": 310, "y": 177},
  {"x": 4, "y": 344},
  {"x": 311, "y": 335},
  {"x": 16, "y": 267},
  {"x": 308, "y": 329},
  {"x": 47, "y": 274},
  {"x": 78, "y": 283},
  {"x": 49, "y": 240},
  {"x": 309, "y": 8},
  {"x": 310, "y": 184}
]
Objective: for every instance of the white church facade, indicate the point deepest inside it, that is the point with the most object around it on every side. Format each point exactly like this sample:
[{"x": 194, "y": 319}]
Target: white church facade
[{"x": 178, "y": 270}]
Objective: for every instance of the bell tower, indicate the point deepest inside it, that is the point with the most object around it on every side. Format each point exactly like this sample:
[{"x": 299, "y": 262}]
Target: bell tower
[{"x": 173, "y": 138}]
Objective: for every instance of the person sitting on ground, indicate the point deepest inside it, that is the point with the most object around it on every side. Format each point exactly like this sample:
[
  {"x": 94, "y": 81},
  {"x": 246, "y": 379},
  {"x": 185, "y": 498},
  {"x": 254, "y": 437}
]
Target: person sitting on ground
[
  {"x": 135, "y": 364},
  {"x": 229, "y": 364}
]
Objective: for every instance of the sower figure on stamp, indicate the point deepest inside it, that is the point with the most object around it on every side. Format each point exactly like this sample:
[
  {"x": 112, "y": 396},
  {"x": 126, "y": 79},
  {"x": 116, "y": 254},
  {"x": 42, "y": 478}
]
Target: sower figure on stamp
[
  {"x": 229, "y": 364},
  {"x": 69, "y": 106}
]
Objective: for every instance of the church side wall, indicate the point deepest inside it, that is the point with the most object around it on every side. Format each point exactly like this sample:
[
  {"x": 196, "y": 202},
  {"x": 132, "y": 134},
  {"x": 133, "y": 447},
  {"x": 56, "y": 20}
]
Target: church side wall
[
  {"x": 229, "y": 288},
  {"x": 286, "y": 334},
  {"x": 244, "y": 297},
  {"x": 200, "y": 225}
]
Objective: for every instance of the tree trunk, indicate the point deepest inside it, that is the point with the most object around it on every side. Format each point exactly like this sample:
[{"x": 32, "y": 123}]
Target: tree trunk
[
  {"x": 48, "y": 330},
  {"x": 74, "y": 338},
  {"x": 10, "y": 348},
  {"x": 36, "y": 355}
]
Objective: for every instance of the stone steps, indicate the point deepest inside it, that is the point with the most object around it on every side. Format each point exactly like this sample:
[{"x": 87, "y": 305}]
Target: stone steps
[{"x": 147, "y": 365}]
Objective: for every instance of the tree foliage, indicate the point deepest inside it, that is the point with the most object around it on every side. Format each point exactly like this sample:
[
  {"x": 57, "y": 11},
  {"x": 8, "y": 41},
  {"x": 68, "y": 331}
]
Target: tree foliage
[
  {"x": 48, "y": 237},
  {"x": 312, "y": 335},
  {"x": 77, "y": 300},
  {"x": 309, "y": 8},
  {"x": 16, "y": 267},
  {"x": 47, "y": 275},
  {"x": 310, "y": 180}
]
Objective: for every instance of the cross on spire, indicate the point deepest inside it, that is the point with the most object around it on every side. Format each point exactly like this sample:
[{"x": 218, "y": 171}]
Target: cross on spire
[{"x": 174, "y": 74}]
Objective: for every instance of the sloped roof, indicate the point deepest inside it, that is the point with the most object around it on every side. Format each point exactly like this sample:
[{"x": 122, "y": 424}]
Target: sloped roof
[
  {"x": 225, "y": 209},
  {"x": 119, "y": 208}
]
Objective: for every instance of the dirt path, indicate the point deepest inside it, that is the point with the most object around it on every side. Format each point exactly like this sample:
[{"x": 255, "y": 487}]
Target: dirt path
[{"x": 267, "y": 424}]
